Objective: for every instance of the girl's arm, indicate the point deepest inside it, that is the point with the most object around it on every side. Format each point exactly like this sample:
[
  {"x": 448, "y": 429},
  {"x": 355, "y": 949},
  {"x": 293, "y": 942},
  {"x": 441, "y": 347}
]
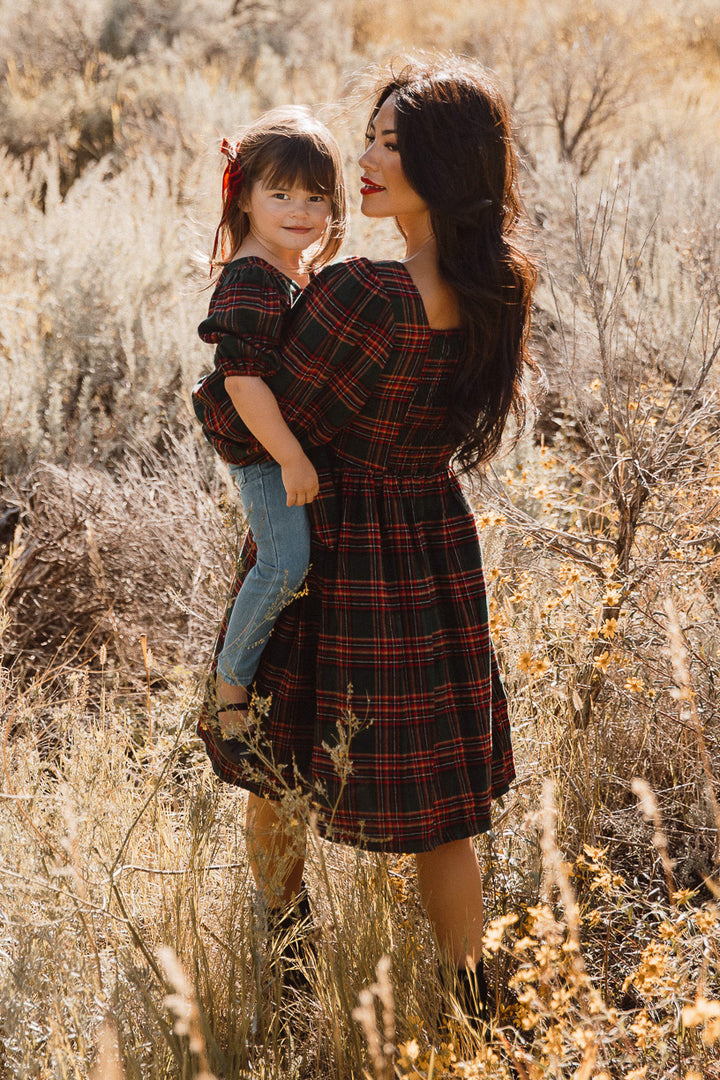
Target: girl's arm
[
  {"x": 257, "y": 407},
  {"x": 245, "y": 320}
]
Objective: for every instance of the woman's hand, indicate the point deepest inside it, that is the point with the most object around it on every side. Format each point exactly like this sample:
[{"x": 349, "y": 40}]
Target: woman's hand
[{"x": 300, "y": 480}]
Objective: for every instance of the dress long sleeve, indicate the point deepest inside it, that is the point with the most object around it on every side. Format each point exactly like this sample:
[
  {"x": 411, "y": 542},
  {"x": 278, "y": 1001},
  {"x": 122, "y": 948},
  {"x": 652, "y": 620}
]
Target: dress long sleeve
[
  {"x": 322, "y": 368},
  {"x": 337, "y": 340},
  {"x": 393, "y": 629}
]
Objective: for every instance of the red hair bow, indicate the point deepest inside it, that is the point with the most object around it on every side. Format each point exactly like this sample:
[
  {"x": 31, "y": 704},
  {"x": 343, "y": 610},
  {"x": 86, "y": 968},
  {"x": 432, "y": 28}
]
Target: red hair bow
[{"x": 231, "y": 183}]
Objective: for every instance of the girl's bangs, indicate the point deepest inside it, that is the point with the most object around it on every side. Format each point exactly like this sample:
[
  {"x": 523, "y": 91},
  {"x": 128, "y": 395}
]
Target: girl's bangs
[{"x": 300, "y": 163}]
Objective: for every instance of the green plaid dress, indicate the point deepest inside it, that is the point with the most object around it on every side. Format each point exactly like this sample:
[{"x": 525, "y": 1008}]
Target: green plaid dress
[{"x": 386, "y": 711}]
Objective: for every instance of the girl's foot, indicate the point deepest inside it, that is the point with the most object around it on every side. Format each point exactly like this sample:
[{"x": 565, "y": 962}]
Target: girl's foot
[{"x": 232, "y": 709}]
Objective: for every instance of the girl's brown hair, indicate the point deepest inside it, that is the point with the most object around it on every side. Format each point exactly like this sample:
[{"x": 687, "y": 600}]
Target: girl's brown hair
[
  {"x": 285, "y": 147},
  {"x": 456, "y": 145}
]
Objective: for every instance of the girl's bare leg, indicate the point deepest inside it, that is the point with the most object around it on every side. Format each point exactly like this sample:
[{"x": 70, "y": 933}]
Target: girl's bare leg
[
  {"x": 276, "y": 850},
  {"x": 450, "y": 884}
]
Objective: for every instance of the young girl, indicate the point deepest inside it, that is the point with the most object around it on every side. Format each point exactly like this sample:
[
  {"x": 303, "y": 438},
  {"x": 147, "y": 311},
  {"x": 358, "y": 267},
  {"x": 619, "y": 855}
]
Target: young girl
[{"x": 283, "y": 217}]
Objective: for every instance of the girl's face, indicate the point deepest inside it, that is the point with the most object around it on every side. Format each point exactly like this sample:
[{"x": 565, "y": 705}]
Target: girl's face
[
  {"x": 286, "y": 219},
  {"x": 385, "y": 189}
]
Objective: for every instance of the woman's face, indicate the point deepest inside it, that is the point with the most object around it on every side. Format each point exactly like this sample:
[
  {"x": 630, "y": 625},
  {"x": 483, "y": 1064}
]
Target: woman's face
[{"x": 385, "y": 189}]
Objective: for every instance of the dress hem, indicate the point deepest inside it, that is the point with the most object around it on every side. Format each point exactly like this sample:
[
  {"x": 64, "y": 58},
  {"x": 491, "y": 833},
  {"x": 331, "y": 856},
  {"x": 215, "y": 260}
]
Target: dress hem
[{"x": 331, "y": 832}]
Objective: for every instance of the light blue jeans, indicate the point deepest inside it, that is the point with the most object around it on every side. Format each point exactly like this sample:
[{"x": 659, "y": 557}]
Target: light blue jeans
[{"x": 282, "y": 535}]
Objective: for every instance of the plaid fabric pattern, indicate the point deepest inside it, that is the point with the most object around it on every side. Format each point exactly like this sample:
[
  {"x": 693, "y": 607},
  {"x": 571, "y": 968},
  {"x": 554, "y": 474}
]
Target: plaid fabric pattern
[
  {"x": 245, "y": 320},
  {"x": 247, "y": 310},
  {"x": 387, "y": 709}
]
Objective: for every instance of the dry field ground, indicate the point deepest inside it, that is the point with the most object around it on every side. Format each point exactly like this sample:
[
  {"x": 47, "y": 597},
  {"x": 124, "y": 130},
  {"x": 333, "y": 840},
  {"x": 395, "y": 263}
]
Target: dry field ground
[{"x": 126, "y": 910}]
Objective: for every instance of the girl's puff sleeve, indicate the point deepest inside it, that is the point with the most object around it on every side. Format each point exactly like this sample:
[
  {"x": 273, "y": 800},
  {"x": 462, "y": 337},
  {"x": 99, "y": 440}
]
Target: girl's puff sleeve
[
  {"x": 337, "y": 340},
  {"x": 245, "y": 319}
]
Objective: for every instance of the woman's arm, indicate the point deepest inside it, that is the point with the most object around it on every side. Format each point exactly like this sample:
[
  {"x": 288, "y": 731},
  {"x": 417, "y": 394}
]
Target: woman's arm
[
  {"x": 335, "y": 345},
  {"x": 257, "y": 407}
]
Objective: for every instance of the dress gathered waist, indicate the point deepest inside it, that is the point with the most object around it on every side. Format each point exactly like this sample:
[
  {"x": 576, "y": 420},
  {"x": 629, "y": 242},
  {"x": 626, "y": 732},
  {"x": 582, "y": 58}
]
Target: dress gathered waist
[{"x": 413, "y": 467}]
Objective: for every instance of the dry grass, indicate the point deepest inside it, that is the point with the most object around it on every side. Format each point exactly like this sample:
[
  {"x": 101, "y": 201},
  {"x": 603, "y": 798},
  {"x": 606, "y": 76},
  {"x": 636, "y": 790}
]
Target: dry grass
[
  {"x": 129, "y": 943},
  {"x": 119, "y": 845}
]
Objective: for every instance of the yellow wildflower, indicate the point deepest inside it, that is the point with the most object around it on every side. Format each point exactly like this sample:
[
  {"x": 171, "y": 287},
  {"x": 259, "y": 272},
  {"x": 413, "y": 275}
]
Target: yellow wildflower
[
  {"x": 602, "y": 661},
  {"x": 594, "y": 854},
  {"x": 409, "y": 1052},
  {"x": 707, "y": 1013},
  {"x": 583, "y": 1037},
  {"x": 492, "y": 938},
  {"x": 612, "y": 594},
  {"x": 644, "y": 1030},
  {"x": 540, "y": 667},
  {"x": 705, "y": 920},
  {"x": 553, "y": 1040}
]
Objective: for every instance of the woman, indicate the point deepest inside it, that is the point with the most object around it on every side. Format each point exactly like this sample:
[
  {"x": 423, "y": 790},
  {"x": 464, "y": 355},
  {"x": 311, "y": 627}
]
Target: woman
[{"x": 401, "y": 367}]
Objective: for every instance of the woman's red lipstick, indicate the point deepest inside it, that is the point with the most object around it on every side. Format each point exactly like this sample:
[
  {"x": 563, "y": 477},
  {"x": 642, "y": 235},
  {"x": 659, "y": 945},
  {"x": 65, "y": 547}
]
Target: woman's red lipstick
[{"x": 369, "y": 187}]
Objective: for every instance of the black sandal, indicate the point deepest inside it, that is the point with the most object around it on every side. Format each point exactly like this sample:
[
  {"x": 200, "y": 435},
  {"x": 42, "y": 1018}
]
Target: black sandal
[
  {"x": 232, "y": 739},
  {"x": 232, "y": 730}
]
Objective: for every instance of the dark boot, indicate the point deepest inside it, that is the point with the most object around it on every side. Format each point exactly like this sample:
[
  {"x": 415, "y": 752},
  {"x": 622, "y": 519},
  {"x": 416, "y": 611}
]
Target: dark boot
[
  {"x": 291, "y": 941},
  {"x": 468, "y": 989},
  {"x": 472, "y": 995}
]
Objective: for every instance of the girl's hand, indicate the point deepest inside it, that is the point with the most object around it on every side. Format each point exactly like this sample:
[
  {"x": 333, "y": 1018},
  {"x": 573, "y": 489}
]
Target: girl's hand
[{"x": 300, "y": 480}]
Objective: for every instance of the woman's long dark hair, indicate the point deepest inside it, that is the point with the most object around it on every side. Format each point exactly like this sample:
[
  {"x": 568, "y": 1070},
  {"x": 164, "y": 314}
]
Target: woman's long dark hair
[{"x": 456, "y": 146}]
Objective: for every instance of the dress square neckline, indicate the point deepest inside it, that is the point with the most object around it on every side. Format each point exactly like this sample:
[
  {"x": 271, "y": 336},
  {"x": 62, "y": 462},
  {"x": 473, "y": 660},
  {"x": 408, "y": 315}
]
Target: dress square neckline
[{"x": 420, "y": 306}]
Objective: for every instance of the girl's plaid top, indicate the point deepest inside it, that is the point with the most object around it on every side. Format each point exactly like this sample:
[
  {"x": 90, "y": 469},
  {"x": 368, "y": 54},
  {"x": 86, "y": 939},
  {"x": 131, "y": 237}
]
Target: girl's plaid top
[
  {"x": 245, "y": 320},
  {"x": 386, "y": 709}
]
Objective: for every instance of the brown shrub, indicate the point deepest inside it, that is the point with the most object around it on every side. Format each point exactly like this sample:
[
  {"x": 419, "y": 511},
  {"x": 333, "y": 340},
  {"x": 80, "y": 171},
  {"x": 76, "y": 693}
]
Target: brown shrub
[{"x": 100, "y": 559}]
